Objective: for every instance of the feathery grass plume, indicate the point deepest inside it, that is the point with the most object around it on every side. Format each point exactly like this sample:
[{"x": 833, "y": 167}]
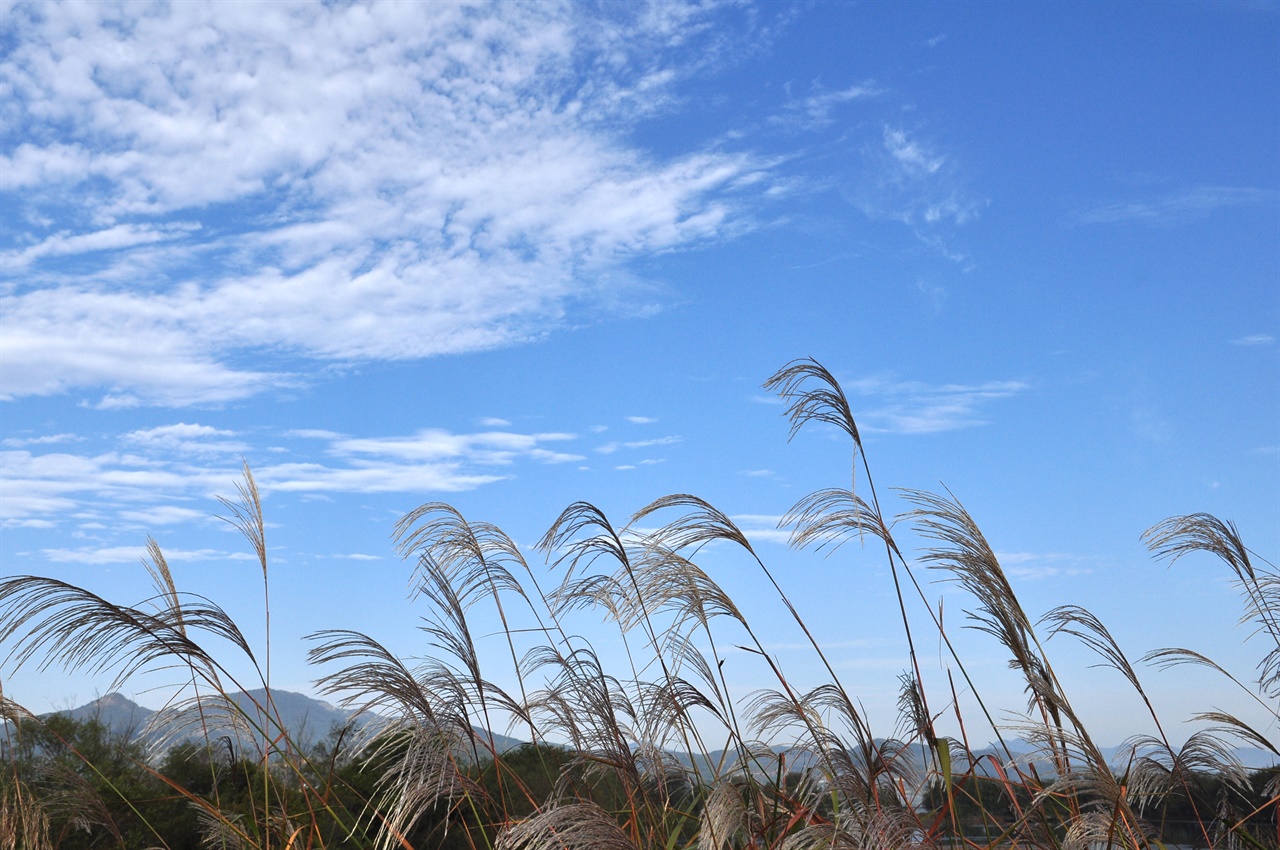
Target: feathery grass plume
[
  {"x": 423, "y": 731},
  {"x": 421, "y": 775},
  {"x": 884, "y": 829},
  {"x": 1174, "y": 656},
  {"x": 584, "y": 534},
  {"x": 247, "y": 517},
  {"x": 1175, "y": 538},
  {"x": 459, "y": 562},
  {"x": 24, "y": 822},
  {"x": 373, "y": 678},
  {"x": 573, "y": 826},
  {"x": 474, "y": 557},
  {"x": 1179, "y": 536},
  {"x": 1089, "y": 630},
  {"x": 589, "y": 706},
  {"x": 913, "y": 717},
  {"x": 1159, "y": 770},
  {"x": 158, "y": 567},
  {"x": 1229, "y": 724},
  {"x": 221, "y": 830},
  {"x": 726, "y": 818},
  {"x": 831, "y": 517},
  {"x": 1098, "y": 827},
  {"x": 826, "y": 404},
  {"x": 68, "y": 797},
  {"x": 205, "y": 715},
  {"x": 677, "y": 598},
  {"x": 701, "y": 524},
  {"x": 828, "y": 516},
  {"x": 77, "y": 629},
  {"x": 1097, "y": 804},
  {"x": 966, "y": 554}
]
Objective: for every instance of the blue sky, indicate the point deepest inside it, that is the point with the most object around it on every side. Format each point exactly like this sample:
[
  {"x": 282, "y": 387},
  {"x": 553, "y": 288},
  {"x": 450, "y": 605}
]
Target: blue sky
[{"x": 512, "y": 256}]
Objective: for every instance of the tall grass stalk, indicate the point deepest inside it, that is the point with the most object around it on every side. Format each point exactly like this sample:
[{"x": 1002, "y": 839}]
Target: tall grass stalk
[{"x": 661, "y": 751}]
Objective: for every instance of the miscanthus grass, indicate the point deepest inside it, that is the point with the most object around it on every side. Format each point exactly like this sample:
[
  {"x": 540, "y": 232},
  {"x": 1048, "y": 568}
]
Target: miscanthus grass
[{"x": 646, "y": 747}]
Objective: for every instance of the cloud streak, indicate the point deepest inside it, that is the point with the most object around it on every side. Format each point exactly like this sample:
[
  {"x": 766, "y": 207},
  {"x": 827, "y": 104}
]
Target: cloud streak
[
  {"x": 914, "y": 407},
  {"x": 1181, "y": 208},
  {"x": 150, "y": 473}
]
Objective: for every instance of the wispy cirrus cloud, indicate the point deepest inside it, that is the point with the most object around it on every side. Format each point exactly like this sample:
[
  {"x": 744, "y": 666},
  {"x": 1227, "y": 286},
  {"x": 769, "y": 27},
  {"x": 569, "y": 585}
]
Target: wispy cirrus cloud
[
  {"x": 815, "y": 110},
  {"x": 1031, "y": 566},
  {"x": 286, "y": 178},
  {"x": 909, "y": 179},
  {"x": 186, "y": 438},
  {"x": 914, "y": 407},
  {"x": 1253, "y": 340},
  {"x": 113, "y": 238},
  {"x": 611, "y": 447},
  {"x": 44, "y": 440},
  {"x": 1177, "y": 208},
  {"x": 153, "y": 476},
  {"x": 99, "y": 556},
  {"x": 762, "y": 528}
]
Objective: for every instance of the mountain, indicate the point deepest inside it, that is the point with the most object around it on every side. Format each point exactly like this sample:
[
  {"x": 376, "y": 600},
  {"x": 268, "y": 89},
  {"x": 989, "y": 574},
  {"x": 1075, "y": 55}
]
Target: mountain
[
  {"x": 308, "y": 721},
  {"x": 120, "y": 715}
]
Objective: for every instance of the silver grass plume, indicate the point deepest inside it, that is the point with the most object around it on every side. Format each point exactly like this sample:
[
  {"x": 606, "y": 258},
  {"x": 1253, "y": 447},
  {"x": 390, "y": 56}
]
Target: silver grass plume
[
  {"x": 1179, "y": 536},
  {"x": 965, "y": 553},
  {"x": 80, "y": 630},
  {"x": 886, "y": 829},
  {"x": 726, "y": 818},
  {"x": 572, "y": 826}
]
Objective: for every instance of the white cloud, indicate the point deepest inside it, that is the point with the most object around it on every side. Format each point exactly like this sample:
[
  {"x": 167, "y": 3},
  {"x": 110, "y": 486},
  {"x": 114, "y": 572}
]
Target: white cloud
[
  {"x": 1179, "y": 208},
  {"x": 907, "y": 179},
  {"x": 913, "y": 407},
  {"x": 290, "y": 177},
  {"x": 1030, "y": 566},
  {"x": 28, "y": 523},
  {"x": 135, "y": 554},
  {"x": 659, "y": 441},
  {"x": 815, "y": 110},
  {"x": 314, "y": 434},
  {"x": 112, "y": 238},
  {"x": 912, "y": 156},
  {"x": 641, "y": 420},
  {"x": 611, "y": 447},
  {"x": 47, "y": 440},
  {"x": 762, "y": 528},
  {"x": 171, "y": 464},
  {"x": 494, "y": 422},
  {"x": 164, "y": 515},
  {"x": 1254, "y": 339},
  {"x": 494, "y": 447},
  {"x": 186, "y": 438}
]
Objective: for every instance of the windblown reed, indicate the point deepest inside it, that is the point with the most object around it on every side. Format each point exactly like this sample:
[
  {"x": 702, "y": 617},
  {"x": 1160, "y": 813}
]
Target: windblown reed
[{"x": 656, "y": 753}]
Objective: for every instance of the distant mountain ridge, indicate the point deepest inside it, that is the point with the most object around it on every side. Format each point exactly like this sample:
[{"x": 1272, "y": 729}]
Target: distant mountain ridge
[
  {"x": 306, "y": 719},
  {"x": 309, "y": 720}
]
